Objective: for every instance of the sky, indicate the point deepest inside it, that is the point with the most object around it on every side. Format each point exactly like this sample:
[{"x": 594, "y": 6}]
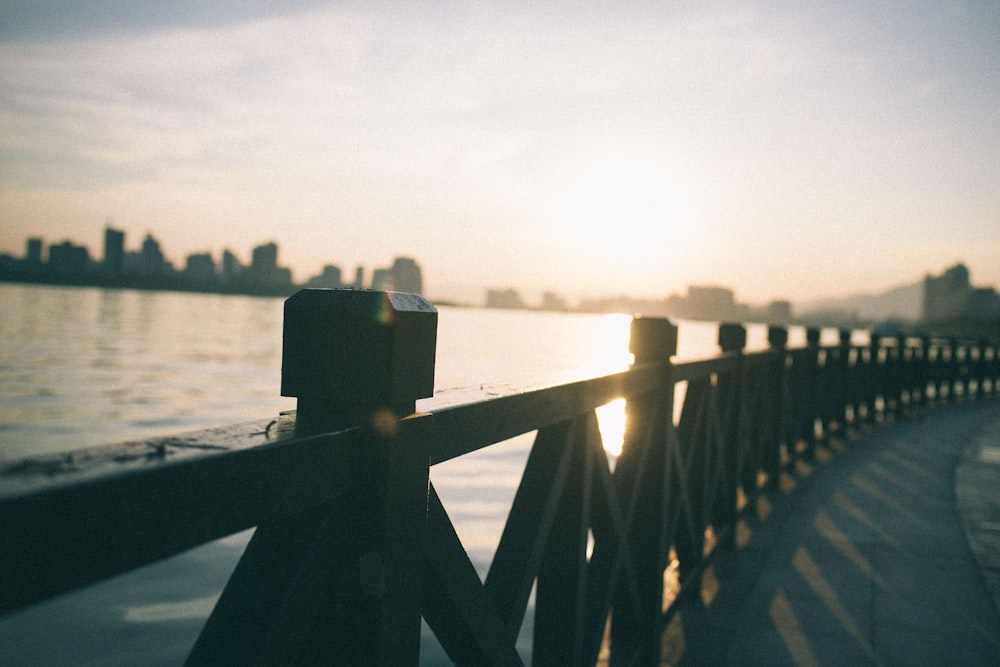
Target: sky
[{"x": 784, "y": 150}]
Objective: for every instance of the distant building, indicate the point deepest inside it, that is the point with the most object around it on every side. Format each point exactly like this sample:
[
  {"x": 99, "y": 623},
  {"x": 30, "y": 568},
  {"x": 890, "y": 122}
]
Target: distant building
[
  {"x": 507, "y": 298},
  {"x": 67, "y": 260},
  {"x": 114, "y": 252},
  {"x": 148, "y": 268},
  {"x": 199, "y": 270},
  {"x": 383, "y": 281},
  {"x": 283, "y": 278},
  {"x": 264, "y": 274},
  {"x": 264, "y": 263},
  {"x": 710, "y": 303},
  {"x": 779, "y": 312},
  {"x": 951, "y": 296},
  {"x": 329, "y": 278},
  {"x": 152, "y": 263},
  {"x": 946, "y": 296},
  {"x": 231, "y": 268},
  {"x": 406, "y": 276},
  {"x": 984, "y": 304},
  {"x": 403, "y": 276},
  {"x": 33, "y": 252},
  {"x": 552, "y": 301}
]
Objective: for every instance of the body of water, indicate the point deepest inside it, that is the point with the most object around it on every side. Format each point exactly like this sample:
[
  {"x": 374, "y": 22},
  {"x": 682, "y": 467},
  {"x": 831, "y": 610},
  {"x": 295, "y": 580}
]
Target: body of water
[{"x": 82, "y": 367}]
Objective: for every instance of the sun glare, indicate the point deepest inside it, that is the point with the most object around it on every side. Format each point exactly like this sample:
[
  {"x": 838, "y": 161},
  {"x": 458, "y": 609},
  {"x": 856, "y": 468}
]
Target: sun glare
[
  {"x": 620, "y": 209},
  {"x": 611, "y": 418}
]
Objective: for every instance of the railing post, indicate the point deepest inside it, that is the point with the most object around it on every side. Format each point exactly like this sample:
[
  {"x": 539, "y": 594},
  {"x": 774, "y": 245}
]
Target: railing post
[
  {"x": 350, "y": 354},
  {"x": 893, "y": 383},
  {"x": 906, "y": 369},
  {"x": 732, "y": 340},
  {"x": 643, "y": 473},
  {"x": 934, "y": 354},
  {"x": 873, "y": 377},
  {"x": 978, "y": 367},
  {"x": 993, "y": 366},
  {"x": 919, "y": 361},
  {"x": 777, "y": 432},
  {"x": 341, "y": 584},
  {"x": 949, "y": 369},
  {"x": 962, "y": 368},
  {"x": 807, "y": 392},
  {"x": 839, "y": 371},
  {"x": 988, "y": 363}
]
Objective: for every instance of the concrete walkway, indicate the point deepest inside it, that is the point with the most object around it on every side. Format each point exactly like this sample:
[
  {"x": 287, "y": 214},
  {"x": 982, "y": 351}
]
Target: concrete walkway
[{"x": 865, "y": 558}]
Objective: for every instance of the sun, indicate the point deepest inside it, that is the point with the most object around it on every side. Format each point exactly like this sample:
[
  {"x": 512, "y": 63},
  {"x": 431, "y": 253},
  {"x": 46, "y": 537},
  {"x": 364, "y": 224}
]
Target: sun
[{"x": 620, "y": 208}]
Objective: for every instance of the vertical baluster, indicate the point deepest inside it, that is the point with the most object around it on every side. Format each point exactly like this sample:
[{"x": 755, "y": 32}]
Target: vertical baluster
[{"x": 560, "y": 614}]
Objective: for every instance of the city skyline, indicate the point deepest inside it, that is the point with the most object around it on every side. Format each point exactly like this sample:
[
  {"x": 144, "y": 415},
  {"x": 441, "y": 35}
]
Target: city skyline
[
  {"x": 574, "y": 149},
  {"x": 950, "y": 296},
  {"x": 149, "y": 267}
]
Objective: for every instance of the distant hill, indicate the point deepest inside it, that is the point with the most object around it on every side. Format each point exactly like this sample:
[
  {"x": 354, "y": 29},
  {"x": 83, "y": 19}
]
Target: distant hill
[{"x": 903, "y": 303}]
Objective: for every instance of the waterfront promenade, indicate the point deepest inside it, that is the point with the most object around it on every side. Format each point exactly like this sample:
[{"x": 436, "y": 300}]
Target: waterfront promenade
[
  {"x": 864, "y": 558},
  {"x": 852, "y": 550}
]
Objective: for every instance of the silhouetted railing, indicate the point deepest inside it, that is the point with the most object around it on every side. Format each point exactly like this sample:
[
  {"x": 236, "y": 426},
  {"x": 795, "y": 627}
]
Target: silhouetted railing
[{"x": 353, "y": 546}]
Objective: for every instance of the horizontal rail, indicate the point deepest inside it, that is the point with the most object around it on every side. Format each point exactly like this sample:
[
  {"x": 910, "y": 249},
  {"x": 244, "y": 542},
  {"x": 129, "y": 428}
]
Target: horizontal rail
[
  {"x": 135, "y": 503},
  {"x": 321, "y": 480}
]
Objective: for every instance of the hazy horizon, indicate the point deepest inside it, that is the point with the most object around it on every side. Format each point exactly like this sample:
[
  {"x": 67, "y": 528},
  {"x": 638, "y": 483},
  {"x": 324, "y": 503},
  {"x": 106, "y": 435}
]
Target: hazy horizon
[{"x": 784, "y": 152}]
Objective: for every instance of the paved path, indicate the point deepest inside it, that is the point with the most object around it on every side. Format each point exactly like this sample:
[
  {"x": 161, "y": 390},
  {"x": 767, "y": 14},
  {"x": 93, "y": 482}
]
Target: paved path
[{"x": 866, "y": 561}]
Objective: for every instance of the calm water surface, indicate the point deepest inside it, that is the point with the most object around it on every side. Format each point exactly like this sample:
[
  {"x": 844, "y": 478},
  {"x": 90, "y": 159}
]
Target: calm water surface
[{"x": 81, "y": 367}]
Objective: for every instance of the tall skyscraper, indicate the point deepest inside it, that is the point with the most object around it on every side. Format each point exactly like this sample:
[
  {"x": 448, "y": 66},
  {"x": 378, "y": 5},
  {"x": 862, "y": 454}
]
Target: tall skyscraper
[
  {"x": 114, "y": 252},
  {"x": 264, "y": 258},
  {"x": 152, "y": 262},
  {"x": 33, "y": 254},
  {"x": 264, "y": 272},
  {"x": 406, "y": 276},
  {"x": 231, "y": 269},
  {"x": 382, "y": 280}
]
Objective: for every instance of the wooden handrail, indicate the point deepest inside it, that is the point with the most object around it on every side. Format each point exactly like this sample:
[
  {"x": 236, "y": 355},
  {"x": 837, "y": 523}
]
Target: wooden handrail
[{"x": 353, "y": 545}]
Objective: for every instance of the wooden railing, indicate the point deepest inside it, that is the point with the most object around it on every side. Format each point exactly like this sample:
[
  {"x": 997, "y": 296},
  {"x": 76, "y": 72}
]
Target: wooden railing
[{"x": 353, "y": 546}]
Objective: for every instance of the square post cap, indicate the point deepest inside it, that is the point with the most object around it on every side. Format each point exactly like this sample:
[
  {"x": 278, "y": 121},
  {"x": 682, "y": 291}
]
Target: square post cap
[
  {"x": 354, "y": 351},
  {"x": 732, "y": 336},
  {"x": 812, "y": 336},
  {"x": 777, "y": 336},
  {"x": 652, "y": 339}
]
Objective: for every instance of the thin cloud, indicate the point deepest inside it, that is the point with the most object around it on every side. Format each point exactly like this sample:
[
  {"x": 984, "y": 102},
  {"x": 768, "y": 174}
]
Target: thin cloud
[{"x": 327, "y": 116}]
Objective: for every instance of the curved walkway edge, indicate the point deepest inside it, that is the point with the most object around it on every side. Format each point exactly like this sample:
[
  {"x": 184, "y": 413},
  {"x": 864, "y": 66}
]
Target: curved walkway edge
[
  {"x": 977, "y": 490},
  {"x": 885, "y": 551}
]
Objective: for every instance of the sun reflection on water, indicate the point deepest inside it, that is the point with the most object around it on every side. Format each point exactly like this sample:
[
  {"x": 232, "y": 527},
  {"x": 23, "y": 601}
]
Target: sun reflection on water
[{"x": 610, "y": 355}]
